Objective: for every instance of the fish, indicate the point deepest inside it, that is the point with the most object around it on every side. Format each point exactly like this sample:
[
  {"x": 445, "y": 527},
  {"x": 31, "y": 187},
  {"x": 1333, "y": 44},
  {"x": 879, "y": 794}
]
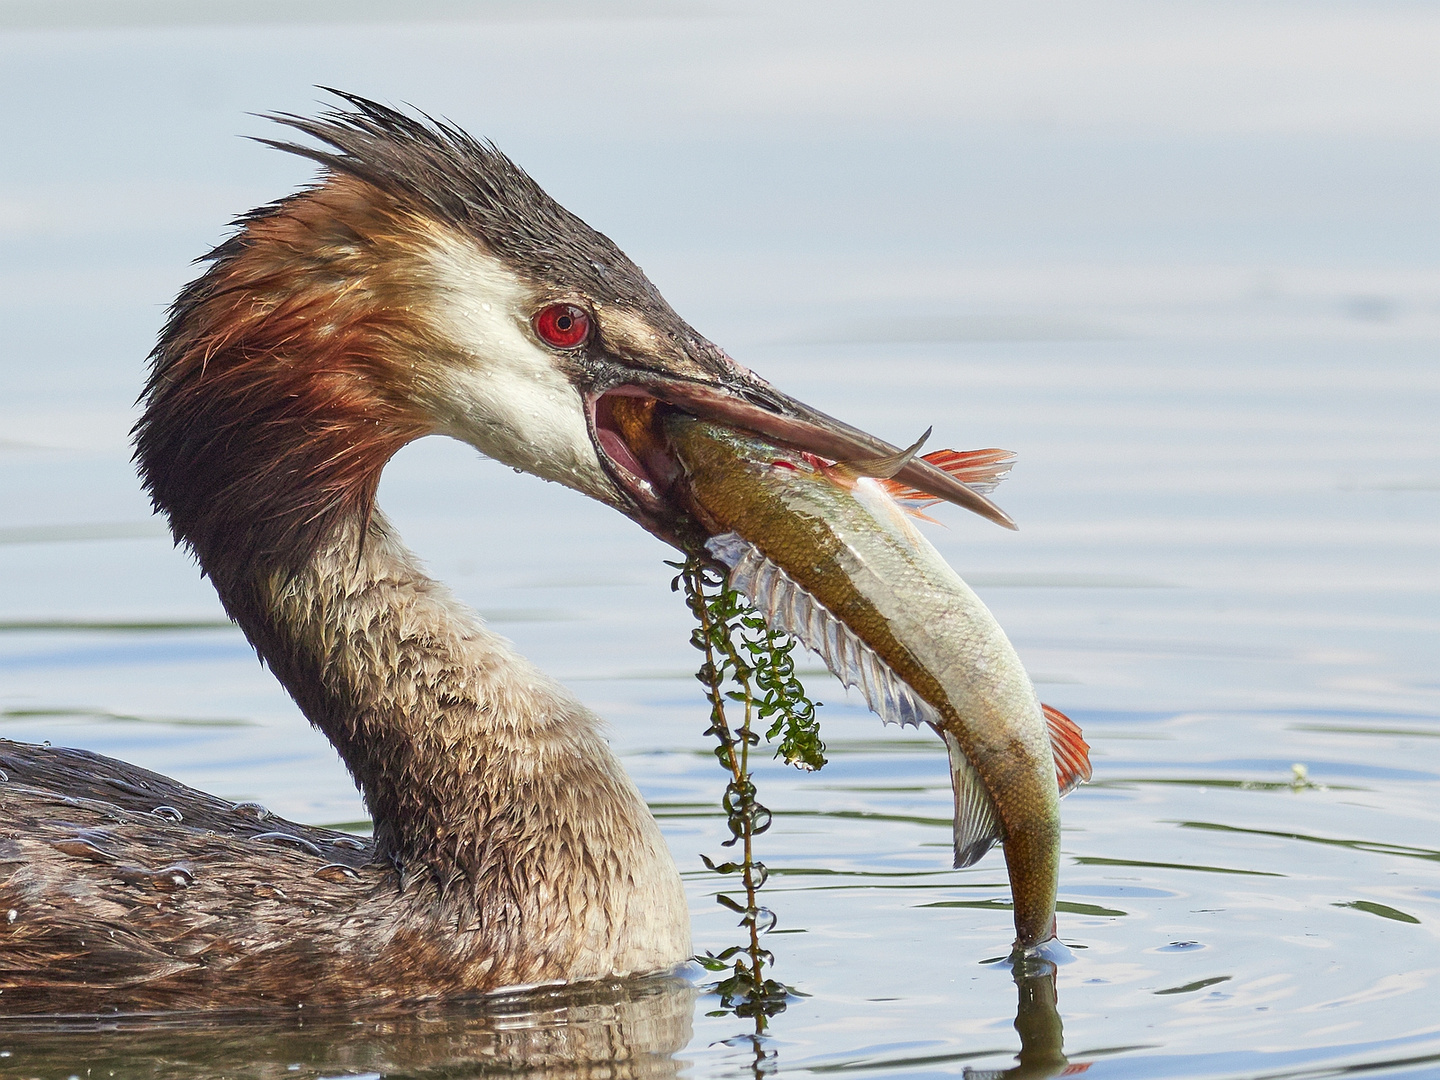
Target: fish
[{"x": 829, "y": 553}]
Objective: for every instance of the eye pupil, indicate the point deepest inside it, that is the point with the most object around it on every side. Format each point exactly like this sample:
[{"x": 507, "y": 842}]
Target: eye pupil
[{"x": 562, "y": 326}]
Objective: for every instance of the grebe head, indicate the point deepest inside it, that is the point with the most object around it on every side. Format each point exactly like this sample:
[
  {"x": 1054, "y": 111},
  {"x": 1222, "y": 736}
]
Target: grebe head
[{"x": 424, "y": 285}]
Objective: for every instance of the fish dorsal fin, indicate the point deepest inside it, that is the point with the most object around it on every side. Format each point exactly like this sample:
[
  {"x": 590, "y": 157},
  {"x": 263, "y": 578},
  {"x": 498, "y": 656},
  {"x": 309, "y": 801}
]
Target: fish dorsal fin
[
  {"x": 977, "y": 824},
  {"x": 981, "y": 470},
  {"x": 789, "y": 607},
  {"x": 1072, "y": 752}
]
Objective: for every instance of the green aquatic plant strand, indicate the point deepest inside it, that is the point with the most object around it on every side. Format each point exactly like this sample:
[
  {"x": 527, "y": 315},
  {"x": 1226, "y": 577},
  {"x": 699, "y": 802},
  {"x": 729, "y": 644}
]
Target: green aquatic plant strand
[
  {"x": 791, "y": 713},
  {"x": 742, "y": 652}
]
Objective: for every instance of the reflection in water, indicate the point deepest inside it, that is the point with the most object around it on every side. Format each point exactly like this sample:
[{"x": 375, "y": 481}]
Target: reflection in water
[
  {"x": 1042, "y": 1050},
  {"x": 611, "y": 1030},
  {"x": 616, "y": 1031}
]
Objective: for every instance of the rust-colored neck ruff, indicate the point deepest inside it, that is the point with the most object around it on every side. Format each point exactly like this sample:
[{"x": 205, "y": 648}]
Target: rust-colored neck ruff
[{"x": 278, "y": 388}]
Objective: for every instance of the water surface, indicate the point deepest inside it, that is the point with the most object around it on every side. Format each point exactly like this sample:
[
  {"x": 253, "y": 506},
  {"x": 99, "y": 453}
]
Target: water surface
[{"x": 1204, "y": 311}]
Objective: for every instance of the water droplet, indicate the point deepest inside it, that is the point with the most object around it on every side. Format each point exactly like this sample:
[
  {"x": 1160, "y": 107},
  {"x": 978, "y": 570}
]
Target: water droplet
[
  {"x": 10, "y": 917},
  {"x": 252, "y": 810},
  {"x": 169, "y": 813},
  {"x": 4, "y": 776},
  {"x": 351, "y": 842},
  {"x": 172, "y": 879},
  {"x": 82, "y": 849},
  {"x": 269, "y": 892},
  {"x": 287, "y": 838},
  {"x": 1181, "y": 946},
  {"x": 337, "y": 872}
]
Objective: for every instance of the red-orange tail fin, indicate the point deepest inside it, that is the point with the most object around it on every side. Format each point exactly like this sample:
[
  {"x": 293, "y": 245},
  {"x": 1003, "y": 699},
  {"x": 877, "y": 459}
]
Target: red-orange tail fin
[
  {"x": 979, "y": 469},
  {"x": 1072, "y": 752}
]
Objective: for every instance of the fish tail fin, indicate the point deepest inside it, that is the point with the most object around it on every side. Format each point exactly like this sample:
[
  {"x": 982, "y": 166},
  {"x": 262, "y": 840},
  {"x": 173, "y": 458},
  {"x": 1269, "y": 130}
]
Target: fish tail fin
[
  {"x": 1072, "y": 752},
  {"x": 980, "y": 470}
]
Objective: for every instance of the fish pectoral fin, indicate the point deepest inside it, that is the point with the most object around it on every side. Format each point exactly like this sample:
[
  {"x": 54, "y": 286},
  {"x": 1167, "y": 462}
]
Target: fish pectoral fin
[
  {"x": 1072, "y": 752},
  {"x": 981, "y": 470},
  {"x": 977, "y": 824}
]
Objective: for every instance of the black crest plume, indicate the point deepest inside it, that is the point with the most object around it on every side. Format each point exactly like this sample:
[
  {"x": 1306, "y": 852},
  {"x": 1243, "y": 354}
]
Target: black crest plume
[{"x": 470, "y": 185}]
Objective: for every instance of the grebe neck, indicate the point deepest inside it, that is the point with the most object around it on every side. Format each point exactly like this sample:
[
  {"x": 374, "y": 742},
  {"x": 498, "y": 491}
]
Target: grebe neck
[{"x": 468, "y": 756}]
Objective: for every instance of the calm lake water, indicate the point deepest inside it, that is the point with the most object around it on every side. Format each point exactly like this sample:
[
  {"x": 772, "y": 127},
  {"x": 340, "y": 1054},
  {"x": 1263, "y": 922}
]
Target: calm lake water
[{"x": 1182, "y": 259}]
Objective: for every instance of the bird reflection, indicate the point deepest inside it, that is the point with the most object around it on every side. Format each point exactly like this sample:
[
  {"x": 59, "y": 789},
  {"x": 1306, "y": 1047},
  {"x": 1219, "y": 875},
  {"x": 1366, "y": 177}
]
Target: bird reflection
[{"x": 617, "y": 1031}]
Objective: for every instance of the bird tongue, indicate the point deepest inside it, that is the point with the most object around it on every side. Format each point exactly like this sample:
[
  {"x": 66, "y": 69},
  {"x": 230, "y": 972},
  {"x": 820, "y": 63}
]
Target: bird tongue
[{"x": 627, "y": 428}]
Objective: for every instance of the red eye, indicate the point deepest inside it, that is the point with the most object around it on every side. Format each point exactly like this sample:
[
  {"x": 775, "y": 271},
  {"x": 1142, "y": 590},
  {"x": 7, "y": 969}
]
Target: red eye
[{"x": 563, "y": 326}]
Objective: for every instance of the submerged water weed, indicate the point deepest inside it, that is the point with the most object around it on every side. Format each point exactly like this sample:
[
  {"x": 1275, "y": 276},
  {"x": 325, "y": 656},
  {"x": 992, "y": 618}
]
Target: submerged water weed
[{"x": 743, "y": 653}]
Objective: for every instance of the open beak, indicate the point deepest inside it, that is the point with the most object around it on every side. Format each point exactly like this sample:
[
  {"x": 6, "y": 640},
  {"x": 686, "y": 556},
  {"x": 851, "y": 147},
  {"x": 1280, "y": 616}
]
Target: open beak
[{"x": 645, "y": 471}]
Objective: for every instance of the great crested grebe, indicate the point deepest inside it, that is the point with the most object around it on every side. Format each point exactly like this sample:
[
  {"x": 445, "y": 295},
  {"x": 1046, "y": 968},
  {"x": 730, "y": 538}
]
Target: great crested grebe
[{"x": 424, "y": 285}]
